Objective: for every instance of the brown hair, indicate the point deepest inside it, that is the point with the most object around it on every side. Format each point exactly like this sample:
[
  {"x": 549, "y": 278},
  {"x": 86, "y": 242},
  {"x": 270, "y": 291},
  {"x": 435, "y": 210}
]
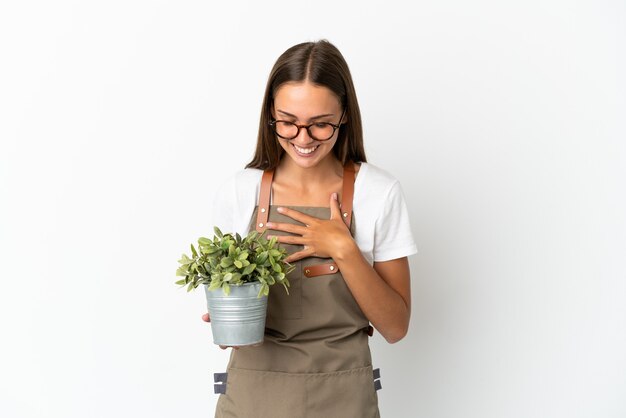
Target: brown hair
[{"x": 322, "y": 64}]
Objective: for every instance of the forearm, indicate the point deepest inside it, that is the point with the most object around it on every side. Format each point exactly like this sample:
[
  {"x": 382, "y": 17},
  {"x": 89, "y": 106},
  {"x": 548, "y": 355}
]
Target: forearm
[{"x": 381, "y": 304}]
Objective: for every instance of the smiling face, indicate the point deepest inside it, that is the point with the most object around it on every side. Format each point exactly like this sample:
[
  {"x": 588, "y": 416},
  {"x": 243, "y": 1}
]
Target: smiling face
[{"x": 304, "y": 103}]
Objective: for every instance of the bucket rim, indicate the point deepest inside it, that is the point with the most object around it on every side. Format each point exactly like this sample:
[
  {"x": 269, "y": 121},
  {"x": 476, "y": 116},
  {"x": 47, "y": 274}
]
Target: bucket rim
[{"x": 256, "y": 282}]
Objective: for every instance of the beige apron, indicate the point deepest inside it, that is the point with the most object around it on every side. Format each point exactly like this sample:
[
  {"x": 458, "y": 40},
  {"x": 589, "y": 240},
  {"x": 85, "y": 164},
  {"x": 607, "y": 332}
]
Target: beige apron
[{"x": 315, "y": 359}]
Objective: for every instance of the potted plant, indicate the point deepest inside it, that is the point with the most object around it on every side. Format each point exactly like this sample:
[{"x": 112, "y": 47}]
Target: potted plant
[{"x": 237, "y": 274}]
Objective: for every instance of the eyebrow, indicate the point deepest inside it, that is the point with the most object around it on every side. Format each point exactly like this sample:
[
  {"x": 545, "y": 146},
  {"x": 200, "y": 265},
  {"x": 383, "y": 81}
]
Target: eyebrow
[{"x": 314, "y": 117}]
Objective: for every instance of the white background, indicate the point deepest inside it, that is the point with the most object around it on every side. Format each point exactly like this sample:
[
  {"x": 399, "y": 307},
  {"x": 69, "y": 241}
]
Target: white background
[{"x": 503, "y": 122}]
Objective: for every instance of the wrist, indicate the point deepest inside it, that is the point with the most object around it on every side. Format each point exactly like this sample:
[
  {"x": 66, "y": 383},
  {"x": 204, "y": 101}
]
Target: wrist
[{"x": 345, "y": 250}]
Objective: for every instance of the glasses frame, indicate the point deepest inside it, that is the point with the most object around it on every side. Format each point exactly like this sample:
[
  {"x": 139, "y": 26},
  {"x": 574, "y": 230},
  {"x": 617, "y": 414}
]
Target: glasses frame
[{"x": 272, "y": 123}]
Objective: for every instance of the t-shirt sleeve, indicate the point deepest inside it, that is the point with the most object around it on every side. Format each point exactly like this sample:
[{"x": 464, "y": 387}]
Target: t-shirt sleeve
[{"x": 392, "y": 236}]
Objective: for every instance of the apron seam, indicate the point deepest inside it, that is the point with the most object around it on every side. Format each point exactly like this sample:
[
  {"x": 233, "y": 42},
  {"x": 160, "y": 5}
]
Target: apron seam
[{"x": 306, "y": 374}]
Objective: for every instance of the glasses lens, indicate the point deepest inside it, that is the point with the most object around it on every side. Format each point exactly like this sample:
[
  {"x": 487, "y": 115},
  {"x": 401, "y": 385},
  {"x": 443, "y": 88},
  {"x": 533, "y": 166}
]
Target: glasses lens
[
  {"x": 286, "y": 129},
  {"x": 321, "y": 131}
]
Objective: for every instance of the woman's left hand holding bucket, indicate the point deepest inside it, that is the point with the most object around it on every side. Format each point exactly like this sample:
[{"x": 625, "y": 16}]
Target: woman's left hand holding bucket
[{"x": 207, "y": 318}]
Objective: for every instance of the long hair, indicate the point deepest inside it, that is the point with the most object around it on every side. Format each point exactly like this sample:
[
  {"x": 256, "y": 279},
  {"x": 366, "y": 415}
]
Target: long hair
[{"x": 322, "y": 64}]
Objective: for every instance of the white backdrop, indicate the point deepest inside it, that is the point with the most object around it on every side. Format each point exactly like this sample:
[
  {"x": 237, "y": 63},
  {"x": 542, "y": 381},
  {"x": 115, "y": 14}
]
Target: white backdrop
[{"x": 503, "y": 122}]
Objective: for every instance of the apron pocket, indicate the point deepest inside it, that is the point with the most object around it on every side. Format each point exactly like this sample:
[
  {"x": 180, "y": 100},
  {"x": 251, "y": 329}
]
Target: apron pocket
[
  {"x": 265, "y": 394},
  {"x": 346, "y": 393},
  {"x": 261, "y": 394}
]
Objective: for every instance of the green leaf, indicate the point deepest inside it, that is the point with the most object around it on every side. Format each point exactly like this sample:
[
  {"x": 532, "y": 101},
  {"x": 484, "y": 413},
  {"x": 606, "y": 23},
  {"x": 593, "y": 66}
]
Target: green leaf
[
  {"x": 204, "y": 241},
  {"x": 243, "y": 255},
  {"x": 181, "y": 282},
  {"x": 227, "y": 277},
  {"x": 275, "y": 253},
  {"x": 238, "y": 263},
  {"x": 218, "y": 232},
  {"x": 226, "y": 262},
  {"x": 215, "y": 284},
  {"x": 262, "y": 258},
  {"x": 185, "y": 260},
  {"x": 249, "y": 269},
  {"x": 226, "y": 289}
]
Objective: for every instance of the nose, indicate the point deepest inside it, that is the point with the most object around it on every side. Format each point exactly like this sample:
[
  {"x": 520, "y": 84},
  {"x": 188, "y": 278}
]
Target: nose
[{"x": 303, "y": 137}]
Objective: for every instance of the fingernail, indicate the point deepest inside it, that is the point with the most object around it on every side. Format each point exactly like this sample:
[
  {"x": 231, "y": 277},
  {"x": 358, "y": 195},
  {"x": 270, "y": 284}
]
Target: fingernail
[
  {"x": 335, "y": 196},
  {"x": 269, "y": 224},
  {"x": 280, "y": 209},
  {"x": 270, "y": 236}
]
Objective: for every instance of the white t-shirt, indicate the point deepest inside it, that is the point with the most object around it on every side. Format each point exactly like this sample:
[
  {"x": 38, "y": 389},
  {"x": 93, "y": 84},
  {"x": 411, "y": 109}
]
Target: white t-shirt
[{"x": 382, "y": 227}]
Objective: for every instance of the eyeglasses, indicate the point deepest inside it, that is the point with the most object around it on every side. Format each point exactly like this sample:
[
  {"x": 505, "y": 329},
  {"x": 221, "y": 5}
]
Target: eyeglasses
[{"x": 319, "y": 131}]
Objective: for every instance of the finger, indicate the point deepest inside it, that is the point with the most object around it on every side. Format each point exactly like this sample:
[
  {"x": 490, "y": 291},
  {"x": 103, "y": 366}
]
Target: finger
[
  {"x": 290, "y": 239},
  {"x": 298, "y": 216},
  {"x": 335, "y": 211},
  {"x": 280, "y": 226},
  {"x": 206, "y": 317},
  {"x": 299, "y": 255}
]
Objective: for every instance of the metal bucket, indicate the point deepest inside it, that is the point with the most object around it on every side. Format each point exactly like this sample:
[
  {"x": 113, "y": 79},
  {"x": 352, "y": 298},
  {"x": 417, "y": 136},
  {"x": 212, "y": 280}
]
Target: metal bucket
[{"x": 239, "y": 318}]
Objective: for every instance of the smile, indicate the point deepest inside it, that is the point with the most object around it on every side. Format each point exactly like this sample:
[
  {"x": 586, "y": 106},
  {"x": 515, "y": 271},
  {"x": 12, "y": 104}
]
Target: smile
[{"x": 305, "y": 151}]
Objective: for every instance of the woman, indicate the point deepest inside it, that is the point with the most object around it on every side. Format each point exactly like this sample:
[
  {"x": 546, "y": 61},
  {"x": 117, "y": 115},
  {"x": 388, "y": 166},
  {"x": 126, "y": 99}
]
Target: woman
[{"x": 345, "y": 225}]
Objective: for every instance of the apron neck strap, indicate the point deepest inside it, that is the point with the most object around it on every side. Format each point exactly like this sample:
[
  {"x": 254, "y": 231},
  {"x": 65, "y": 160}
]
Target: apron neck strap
[
  {"x": 348, "y": 192},
  {"x": 346, "y": 199}
]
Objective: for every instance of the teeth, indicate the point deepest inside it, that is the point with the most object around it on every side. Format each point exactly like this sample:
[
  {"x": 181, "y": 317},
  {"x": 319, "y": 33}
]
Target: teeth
[{"x": 305, "y": 150}]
